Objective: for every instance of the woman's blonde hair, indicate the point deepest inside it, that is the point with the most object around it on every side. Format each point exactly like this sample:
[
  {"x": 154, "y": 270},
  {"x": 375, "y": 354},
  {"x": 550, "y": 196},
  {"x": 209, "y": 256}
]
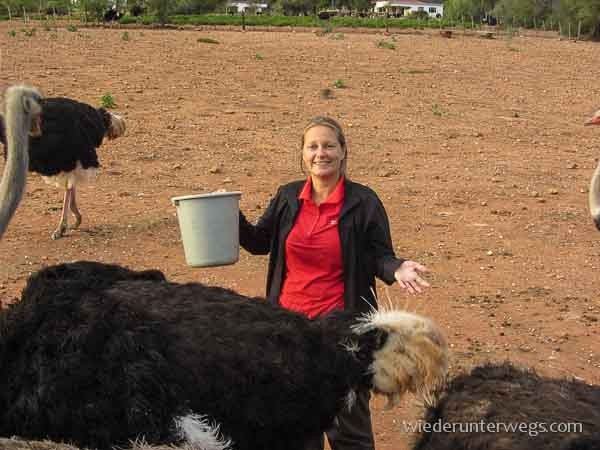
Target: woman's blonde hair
[{"x": 339, "y": 134}]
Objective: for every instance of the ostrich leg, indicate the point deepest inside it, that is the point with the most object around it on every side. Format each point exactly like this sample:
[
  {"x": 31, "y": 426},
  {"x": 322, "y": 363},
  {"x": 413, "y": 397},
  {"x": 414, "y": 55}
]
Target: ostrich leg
[
  {"x": 62, "y": 225},
  {"x": 74, "y": 209}
]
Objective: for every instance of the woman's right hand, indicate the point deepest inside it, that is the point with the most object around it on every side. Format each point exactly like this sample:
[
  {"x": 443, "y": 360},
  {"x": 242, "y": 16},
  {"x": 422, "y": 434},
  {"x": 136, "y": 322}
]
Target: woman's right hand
[{"x": 408, "y": 277}]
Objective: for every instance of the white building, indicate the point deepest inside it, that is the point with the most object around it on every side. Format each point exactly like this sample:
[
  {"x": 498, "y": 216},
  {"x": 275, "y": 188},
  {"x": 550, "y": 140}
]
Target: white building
[
  {"x": 399, "y": 8},
  {"x": 241, "y": 7}
]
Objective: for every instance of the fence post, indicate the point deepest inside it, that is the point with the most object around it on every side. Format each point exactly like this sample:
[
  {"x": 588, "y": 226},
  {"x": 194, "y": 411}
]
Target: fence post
[
  {"x": 9, "y": 14},
  {"x": 579, "y": 30},
  {"x": 569, "y": 30}
]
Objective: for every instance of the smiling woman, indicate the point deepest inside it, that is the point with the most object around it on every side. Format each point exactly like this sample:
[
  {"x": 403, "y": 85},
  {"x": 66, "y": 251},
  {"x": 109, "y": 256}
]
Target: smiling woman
[
  {"x": 324, "y": 154},
  {"x": 328, "y": 238}
]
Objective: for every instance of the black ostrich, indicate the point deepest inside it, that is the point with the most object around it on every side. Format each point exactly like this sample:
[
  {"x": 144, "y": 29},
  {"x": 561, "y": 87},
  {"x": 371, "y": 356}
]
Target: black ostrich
[
  {"x": 502, "y": 407},
  {"x": 98, "y": 355},
  {"x": 65, "y": 152}
]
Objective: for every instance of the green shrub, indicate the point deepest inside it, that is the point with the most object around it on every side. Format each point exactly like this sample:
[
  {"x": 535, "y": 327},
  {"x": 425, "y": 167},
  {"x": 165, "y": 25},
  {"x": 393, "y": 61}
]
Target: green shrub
[
  {"x": 386, "y": 44},
  {"x": 206, "y": 40},
  {"x": 339, "y": 84},
  {"x": 107, "y": 101}
]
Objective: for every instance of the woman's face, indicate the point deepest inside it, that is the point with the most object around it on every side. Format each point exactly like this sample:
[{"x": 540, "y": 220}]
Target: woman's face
[{"x": 322, "y": 153}]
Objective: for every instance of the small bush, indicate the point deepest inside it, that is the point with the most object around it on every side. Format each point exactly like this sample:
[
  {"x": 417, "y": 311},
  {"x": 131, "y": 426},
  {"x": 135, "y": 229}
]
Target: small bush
[
  {"x": 206, "y": 40},
  {"x": 417, "y": 71},
  {"x": 339, "y": 84},
  {"x": 259, "y": 57},
  {"x": 29, "y": 32},
  {"x": 12, "y": 33},
  {"x": 386, "y": 44},
  {"x": 421, "y": 15},
  {"x": 71, "y": 28},
  {"x": 107, "y": 101},
  {"x": 437, "y": 111},
  {"x": 125, "y": 36}
]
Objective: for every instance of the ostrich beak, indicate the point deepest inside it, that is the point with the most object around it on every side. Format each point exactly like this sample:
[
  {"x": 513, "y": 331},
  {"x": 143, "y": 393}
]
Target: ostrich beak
[
  {"x": 595, "y": 120},
  {"x": 36, "y": 127}
]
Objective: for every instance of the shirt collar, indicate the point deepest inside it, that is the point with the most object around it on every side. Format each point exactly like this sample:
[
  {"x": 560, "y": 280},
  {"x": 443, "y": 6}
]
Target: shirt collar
[{"x": 336, "y": 197}]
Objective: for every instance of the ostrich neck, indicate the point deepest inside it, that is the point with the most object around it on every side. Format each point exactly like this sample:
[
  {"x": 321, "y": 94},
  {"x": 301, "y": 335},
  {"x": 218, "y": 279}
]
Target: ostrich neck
[
  {"x": 15, "y": 170},
  {"x": 595, "y": 193}
]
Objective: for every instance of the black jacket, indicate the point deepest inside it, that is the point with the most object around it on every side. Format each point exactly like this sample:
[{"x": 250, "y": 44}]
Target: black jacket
[{"x": 365, "y": 240}]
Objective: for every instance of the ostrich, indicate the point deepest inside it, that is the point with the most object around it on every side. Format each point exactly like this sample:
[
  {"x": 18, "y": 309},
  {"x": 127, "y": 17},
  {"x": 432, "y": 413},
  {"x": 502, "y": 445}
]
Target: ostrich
[
  {"x": 99, "y": 363},
  {"x": 65, "y": 152},
  {"x": 594, "y": 197},
  {"x": 501, "y": 407}
]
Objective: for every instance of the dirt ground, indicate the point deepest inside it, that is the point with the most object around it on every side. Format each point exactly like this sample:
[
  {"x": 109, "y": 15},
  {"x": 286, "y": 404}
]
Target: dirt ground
[{"x": 475, "y": 146}]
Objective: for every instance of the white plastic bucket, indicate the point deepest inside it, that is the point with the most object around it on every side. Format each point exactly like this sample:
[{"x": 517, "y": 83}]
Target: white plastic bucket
[{"x": 209, "y": 226}]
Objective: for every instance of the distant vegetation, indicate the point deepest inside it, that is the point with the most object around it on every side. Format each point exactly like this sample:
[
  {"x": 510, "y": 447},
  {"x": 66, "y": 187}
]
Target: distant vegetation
[
  {"x": 567, "y": 16},
  {"x": 294, "y": 21},
  {"x": 560, "y": 15}
]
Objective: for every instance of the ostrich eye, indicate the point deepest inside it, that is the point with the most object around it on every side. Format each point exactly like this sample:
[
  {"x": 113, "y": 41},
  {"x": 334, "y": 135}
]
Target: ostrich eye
[
  {"x": 26, "y": 104},
  {"x": 381, "y": 339}
]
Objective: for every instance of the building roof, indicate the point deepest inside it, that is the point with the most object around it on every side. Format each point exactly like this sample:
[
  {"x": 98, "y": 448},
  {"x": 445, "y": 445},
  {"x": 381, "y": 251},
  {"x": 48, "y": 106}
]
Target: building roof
[
  {"x": 248, "y": 3},
  {"x": 413, "y": 2}
]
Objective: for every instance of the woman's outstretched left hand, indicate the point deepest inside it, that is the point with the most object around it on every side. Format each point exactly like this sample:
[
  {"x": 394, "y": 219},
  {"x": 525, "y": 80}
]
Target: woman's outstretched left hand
[{"x": 408, "y": 277}]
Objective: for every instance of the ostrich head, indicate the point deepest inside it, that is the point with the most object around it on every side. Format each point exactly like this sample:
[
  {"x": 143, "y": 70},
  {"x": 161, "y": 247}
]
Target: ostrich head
[
  {"x": 595, "y": 119},
  {"x": 115, "y": 124},
  {"x": 414, "y": 356},
  {"x": 594, "y": 196},
  {"x": 22, "y": 112}
]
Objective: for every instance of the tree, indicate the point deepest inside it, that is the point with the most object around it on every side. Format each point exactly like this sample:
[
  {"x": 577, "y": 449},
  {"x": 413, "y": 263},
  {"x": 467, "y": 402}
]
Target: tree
[
  {"x": 162, "y": 9},
  {"x": 585, "y": 11},
  {"x": 199, "y": 6},
  {"x": 296, "y": 7},
  {"x": 94, "y": 9},
  {"x": 523, "y": 10}
]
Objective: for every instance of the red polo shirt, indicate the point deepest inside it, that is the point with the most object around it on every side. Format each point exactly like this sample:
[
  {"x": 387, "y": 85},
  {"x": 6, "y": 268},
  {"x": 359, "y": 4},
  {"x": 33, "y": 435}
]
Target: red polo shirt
[{"x": 314, "y": 277}]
